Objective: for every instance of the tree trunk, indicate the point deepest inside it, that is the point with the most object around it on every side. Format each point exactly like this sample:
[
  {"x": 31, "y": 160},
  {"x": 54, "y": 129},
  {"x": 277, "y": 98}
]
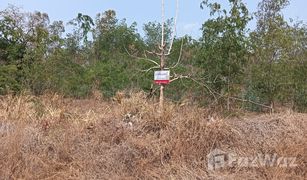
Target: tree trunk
[
  {"x": 162, "y": 63},
  {"x": 161, "y": 99}
]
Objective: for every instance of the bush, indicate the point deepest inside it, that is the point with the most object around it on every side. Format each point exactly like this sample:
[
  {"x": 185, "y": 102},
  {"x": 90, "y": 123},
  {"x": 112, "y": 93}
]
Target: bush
[
  {"x": 8, "y": 79},
  {"x": 60, "y": 75},
  {"x": 109, "y": 76}
]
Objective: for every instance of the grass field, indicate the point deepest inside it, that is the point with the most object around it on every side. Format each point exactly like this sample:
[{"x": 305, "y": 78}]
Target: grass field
[{"x": 51, "y": 137}]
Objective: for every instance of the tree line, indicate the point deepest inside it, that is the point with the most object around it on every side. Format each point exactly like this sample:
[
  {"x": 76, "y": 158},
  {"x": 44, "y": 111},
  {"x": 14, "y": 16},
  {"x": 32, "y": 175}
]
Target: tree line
[{"x": 230, "y": 65}]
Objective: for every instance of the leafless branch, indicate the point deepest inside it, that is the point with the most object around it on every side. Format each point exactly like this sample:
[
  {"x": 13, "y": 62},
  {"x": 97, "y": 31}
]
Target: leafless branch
[
  {"x": 230, "y": 97},
  {"x": 205, "y": 85},
  {"x": 152, "y": 91},
  {"x": 151, "y": 68},
  {"x": 179, "y": 77},
  {"x": 147, "y": 59},
  {"x": 180, "y": 54},
  {"x": 153, "y": 53},
  {"x": 174, "y": 29},
  {"x": 162, "y": 33},
  {"x": 145, "y": 54},
  {"x": 249, "y": 101}
]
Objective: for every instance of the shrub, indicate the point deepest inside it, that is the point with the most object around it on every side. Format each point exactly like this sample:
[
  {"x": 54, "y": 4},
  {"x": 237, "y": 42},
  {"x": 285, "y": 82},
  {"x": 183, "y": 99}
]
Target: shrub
[{"x": 8, "y": 79}]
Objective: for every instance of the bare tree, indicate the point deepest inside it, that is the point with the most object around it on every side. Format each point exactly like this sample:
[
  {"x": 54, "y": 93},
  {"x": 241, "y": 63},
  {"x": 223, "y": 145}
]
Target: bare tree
[{"x": 164, "y": 51}]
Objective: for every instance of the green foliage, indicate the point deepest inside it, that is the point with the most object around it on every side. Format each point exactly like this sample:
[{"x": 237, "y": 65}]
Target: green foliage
[
  {"x": 153, "y": 33},
  {"x": 109, "y": 77},
  {"x": 84, "y": 24},
  {"x": 12, "y": 45},
  {"x": 267, "y": 66},
  {"x": 60, "y": 75},
  {"x": 224, "y": 47},
  {"x": 112, "y": 35},
  {"x": 8, "y": 79},
  {"x": 278, "y": 57},
  {"x": 300, "y": 86}
]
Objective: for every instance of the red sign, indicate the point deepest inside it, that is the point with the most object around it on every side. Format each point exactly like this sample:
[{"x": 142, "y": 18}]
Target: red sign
[{"x": 162, "y": 77}]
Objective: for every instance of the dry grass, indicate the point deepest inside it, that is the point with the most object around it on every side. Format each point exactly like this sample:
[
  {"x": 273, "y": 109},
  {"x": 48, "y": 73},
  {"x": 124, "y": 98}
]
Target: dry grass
[{"x": 50, "y": 137}]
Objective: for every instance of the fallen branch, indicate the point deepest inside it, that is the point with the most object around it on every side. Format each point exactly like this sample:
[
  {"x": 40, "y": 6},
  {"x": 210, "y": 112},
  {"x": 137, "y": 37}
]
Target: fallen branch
[
  {"x": 230, "y": 97},
  {"x": 203, "y": 84}
]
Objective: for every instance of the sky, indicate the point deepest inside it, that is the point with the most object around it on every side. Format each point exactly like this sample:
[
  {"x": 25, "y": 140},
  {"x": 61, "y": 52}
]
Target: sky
[{"x": 190, "y": 17}]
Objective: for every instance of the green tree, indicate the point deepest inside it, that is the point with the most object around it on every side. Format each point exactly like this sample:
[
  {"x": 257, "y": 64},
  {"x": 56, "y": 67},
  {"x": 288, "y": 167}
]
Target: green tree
[
  {"x": 224, "y": 47},
  {"x": 12, "y": 48},
  {"x": 83, "y": 24},
  {"x": 12, "y": 40},
  {"x": 56, "y": 41},
  {"x": 113, "y": 35},
  {"x": 153, "y": 31},
  {"x": 271, "y": 72}
]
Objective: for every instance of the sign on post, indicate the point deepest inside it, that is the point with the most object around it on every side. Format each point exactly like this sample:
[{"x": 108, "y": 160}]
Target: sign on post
[{"x": 162, "y": 77}]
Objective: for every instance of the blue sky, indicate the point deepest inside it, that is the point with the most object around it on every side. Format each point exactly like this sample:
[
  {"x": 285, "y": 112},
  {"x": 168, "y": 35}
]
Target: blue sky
[{"x": 189, "y": 21}]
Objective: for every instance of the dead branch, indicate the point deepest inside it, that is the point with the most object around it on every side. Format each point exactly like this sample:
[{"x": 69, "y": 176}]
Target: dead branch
[
  {"x": 153, "y": 53},
  {"x": 174, "y": 29},
  {"x": 151, "y": 68},
  {"x": 179, "y": 58},
  {"x": 230, "y": 97},
  {"x": 162, "y": 33},
  {"x": 179, "y": 77},
  {"x": 152, "y": 91},
  {"x": 147, "y": 59},
  {"x": 205, "y": 85}
]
